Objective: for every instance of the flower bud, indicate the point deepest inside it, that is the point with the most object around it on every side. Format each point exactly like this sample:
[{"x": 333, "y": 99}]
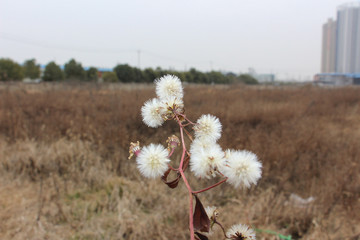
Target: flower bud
[
  {"x": 212, "y": 213},
  {"x": 134, "y": 149},
  {"x": 172, "y": 142}
]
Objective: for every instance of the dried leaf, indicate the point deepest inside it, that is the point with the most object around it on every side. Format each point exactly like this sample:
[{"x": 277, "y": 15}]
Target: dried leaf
[
  {"x": 201, "y": 236},
  {"x": 201, "y": 219},
  {"x": 186, "y": 162},
  {"x": 171, "y": 184}
]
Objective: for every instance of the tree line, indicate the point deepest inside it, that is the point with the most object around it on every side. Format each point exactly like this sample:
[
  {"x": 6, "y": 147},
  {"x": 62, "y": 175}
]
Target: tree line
[{"x": 74, "y": 71}]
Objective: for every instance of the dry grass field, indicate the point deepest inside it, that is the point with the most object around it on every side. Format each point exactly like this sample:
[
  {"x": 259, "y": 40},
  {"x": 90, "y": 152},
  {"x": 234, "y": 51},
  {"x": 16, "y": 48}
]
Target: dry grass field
[{"x": 64, "y": 172}]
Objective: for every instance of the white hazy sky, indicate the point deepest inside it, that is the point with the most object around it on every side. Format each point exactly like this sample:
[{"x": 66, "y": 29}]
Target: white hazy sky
[{"x": 271, "y": 36}]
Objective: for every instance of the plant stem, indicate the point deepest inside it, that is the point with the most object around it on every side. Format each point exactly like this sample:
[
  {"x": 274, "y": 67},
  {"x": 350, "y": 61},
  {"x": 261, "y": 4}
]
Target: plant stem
[
  {"x": 191, "y": 208},
  {"x": 188, "y": 134},
  {"x": 184, "y": 116},
  {"x": 222, "y": 228},
  {"x": 172, "y": 168},
  {"x": 182, "y": 143},
  {"x": 212, "y": 186},
  {"x": 171, "y": 153}
]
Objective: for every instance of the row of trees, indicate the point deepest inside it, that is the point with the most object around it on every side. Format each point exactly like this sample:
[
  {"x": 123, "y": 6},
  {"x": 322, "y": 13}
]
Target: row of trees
[
  {"x": 73, "y": 71},
  {"x": 12, "y": 71}
]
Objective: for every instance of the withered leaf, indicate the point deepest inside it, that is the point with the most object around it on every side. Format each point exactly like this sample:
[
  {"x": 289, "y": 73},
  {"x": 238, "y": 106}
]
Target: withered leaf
[
  {"x": 173, "y": 183},
  {"x": 201, "y": 219},
  {"x": 201, "y": 236},
  {"x": 186, "y": 162}
]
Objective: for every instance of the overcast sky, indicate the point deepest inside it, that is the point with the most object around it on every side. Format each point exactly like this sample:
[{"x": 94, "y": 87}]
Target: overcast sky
[{"x": 271, "y": 36}]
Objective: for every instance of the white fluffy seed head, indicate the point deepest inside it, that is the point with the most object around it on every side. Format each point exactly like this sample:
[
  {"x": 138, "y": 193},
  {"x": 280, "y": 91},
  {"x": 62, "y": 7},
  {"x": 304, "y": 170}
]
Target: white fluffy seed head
[
  {"x": 242, "y": 168},
  {"x": 169, "y": 86},
  {"x": 171, "y": 105},
  {"x": 212, "y": 213},
  {"x": 241, "y": 231},
  {"x": 199, "y": 145},
  {"x": 152, "y": 113},
  {"x": 208, "y": 128},
  {"x": 228, "y": 153},
  {"x": 153, "y": 160},
  {"x": 205, "y": 162}
]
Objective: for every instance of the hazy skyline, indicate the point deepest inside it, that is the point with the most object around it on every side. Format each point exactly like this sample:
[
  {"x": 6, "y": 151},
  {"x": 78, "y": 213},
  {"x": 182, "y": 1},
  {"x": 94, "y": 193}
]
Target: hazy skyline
[{"x": 281, "y": 36}]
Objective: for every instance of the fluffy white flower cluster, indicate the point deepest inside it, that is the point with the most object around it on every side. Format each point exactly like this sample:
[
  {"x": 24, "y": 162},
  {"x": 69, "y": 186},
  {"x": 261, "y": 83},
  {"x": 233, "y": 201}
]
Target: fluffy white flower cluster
[
  {"x": 153, "y": 160},
  {"x": 207, "y": 156},
  {"x": 169, "y": 93},
  {"x": 208, "y": 128},
  {"x": 242, "y": 168},
  {"x": 241, "y": 231}
]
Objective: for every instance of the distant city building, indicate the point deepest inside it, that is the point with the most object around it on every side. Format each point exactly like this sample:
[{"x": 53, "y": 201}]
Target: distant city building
[
  {"x": 266, "y": 77},
  {"x": 328, "y": 47},
  {"x": 340, "y": 57},
  {"x": 348, "y": 38},
  {"x": 337, "y": 79},
  {"x": 262, "y": 77}
]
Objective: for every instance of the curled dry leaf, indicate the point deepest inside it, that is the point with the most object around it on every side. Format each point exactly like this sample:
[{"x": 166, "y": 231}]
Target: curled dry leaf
[
  {"x": 200, "y": 236},
  {"x": 201, "y": 219},
  {"x": 173, "y": 183}
]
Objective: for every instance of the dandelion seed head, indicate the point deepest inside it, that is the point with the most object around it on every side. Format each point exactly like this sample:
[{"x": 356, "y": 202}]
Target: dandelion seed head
[
  {"x": 241, "y": 232},
  {"x": 199, "y": 145},
  {"x": 212, "y": 213},
  {"x": 242, "y": 168},
  {"x": 208, "y": 128},
  {"x": 172, "y": 105},
  {"x": 152, "y": 113},
  {"x": 205, "y": 162},
  {"x": 169, "y": 86},
  {"x": 228, "y": 153},
  {"x": 153, "y": 160}
]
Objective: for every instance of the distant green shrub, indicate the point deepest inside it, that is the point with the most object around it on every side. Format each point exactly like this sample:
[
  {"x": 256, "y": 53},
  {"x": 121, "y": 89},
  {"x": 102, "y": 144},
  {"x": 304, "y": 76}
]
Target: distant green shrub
[
  {"x": 53, "y": 72},
  {"x": 74, "y": 70},
  {"x": 110, "y": 77},
  {"x": 92, "y": 74},
  {"x": 31, "y": 70},
  {"x": 248, "y": 79},
  {"x": 10, "y": 70}
]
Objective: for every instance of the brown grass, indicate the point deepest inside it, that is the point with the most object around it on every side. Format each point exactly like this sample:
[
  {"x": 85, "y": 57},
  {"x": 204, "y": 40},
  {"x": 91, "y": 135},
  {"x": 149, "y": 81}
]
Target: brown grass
[{"x": 64, "y": 172}]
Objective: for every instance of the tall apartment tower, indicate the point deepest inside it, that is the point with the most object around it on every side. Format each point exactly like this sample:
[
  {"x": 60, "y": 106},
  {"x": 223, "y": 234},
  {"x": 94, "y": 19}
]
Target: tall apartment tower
[
  {"x": 348, "y": 38},
  {"x": 328, "y": 59}
]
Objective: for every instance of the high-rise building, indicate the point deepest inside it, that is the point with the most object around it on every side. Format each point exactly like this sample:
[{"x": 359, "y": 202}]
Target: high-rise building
[
  {"x": 341, "y": 41},
  {"x": 340, "y": 57},
  {"x": 348, "y": 38},
  {"x": 328, "y": 47}
]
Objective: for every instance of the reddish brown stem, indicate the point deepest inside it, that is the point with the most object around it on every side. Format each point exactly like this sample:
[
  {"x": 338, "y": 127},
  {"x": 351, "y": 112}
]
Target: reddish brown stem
[
  {"x": 191, "y": 208},
  {"x": 171, "y": 153},
  {"x": 220, "y": 173},
  {"x": 222, "y": 228},
  {"x": 172, "y": 168},
  {"x": 184, "y": 116},
  {"x": 188, "y": 134},
  {"x": 212, "y": 186}
]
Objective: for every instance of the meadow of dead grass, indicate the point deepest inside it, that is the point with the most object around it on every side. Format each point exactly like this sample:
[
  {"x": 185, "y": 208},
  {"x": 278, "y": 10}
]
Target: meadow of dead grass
[{"x": 64, "y": 172}]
